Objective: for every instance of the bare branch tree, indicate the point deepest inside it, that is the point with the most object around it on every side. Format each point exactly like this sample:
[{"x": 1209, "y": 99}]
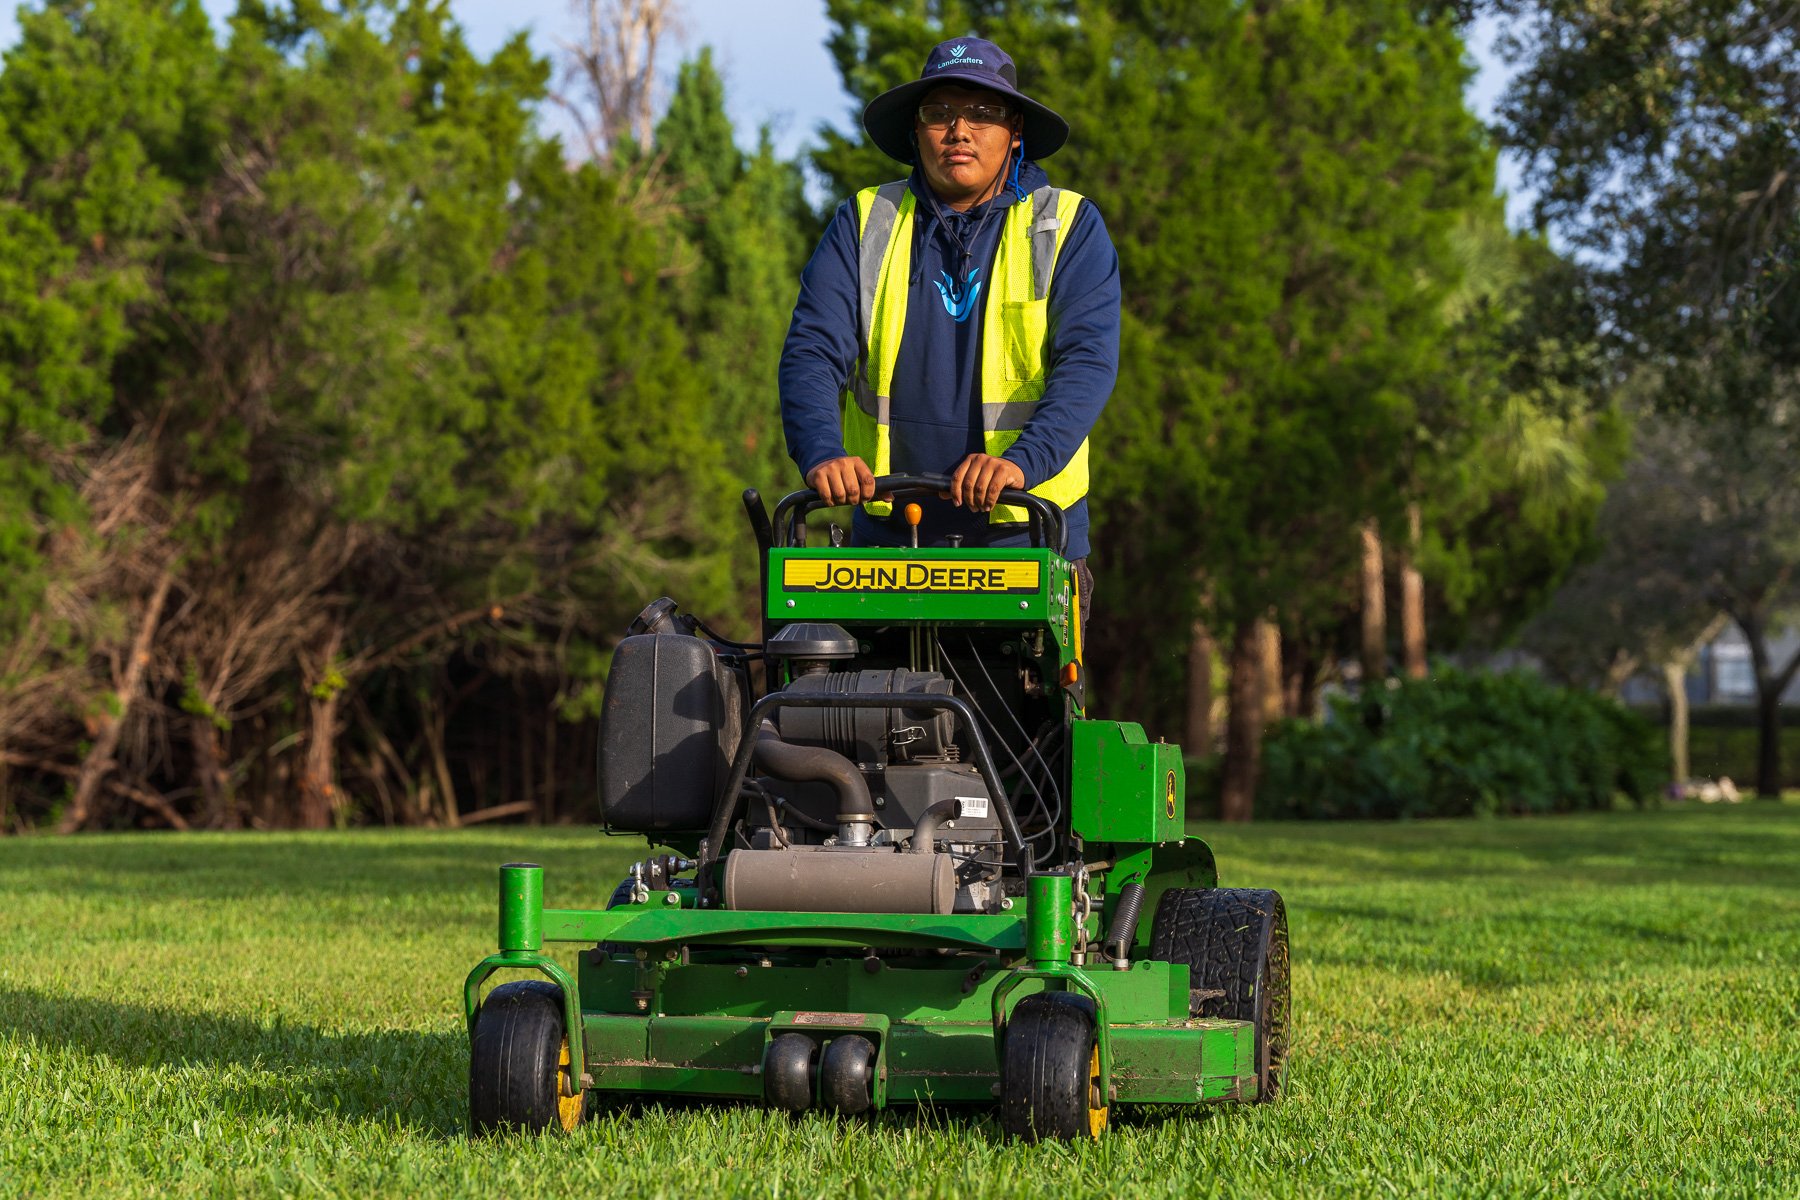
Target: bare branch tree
[{"x": 608, "y": 83}]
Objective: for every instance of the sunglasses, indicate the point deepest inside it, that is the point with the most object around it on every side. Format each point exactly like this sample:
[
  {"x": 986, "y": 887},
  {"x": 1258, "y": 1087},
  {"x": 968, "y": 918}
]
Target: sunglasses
[{"x": 976, "y": 116}]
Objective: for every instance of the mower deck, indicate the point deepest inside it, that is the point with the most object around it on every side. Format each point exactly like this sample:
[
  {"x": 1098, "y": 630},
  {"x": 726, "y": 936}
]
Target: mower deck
[{"x": 680, "y": 1001}]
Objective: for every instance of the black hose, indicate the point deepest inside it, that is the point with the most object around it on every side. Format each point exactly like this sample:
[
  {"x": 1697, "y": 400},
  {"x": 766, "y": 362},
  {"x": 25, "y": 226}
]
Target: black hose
[
  {"x": 1025, "y": 776},
  {"x": 1030, "y": 742},
  {"x": 816, "y": 764},
  {"x": 752, "y": 787},
  {"x": 789, "y": 812},
  {"x": 1125, "y": 921}
]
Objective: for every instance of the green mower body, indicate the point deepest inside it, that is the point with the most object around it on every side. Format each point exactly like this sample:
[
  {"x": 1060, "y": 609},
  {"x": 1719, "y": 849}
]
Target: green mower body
[{"x": 910, "y": 870}]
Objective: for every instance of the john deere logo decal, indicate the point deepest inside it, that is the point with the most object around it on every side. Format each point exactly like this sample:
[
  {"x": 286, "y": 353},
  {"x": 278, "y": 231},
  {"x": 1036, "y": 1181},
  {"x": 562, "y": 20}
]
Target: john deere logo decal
[
  {"x": 994, "y": 576},
  {"x": 1169, "y": 795}
]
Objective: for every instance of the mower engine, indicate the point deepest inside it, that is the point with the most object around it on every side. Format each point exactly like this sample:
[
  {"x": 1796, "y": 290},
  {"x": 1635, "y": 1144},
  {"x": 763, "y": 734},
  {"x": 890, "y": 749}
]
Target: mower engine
[{"x": 851, "y": 809}]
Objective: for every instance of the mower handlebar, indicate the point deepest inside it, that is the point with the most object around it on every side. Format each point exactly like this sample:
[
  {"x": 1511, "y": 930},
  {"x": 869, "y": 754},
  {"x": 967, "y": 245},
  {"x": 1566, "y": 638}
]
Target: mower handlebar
[{"x": 1049, "y": 529}]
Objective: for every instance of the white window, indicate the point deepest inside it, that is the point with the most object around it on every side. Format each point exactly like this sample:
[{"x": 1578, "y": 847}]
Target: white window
[{"x": 1732, "y": 675}]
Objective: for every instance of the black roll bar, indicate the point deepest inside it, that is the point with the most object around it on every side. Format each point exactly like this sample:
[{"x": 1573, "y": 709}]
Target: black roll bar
[{"x": 1049, "y": 528}]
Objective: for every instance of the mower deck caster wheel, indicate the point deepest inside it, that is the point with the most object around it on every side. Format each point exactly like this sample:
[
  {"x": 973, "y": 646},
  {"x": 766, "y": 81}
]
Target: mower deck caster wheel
[
  {"x": 519, "y": 1059},
  {"x": 790, "y": 1068},
  {"x": 1050, "y": 1073},
  {"x": 847, "y": 1074}
]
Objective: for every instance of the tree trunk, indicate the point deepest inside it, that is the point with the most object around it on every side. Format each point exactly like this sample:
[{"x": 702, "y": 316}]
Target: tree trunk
[
  {"x": 1770, "y": 683},
  {"x": 1201, "y": 648},
  {"x": 318, "y": 777},
  {"x": 1768, "y": 742},
  {"x": 547, "y": 811},
  {"x": 1412, "y": 599},
  {"x": 1243, "y": 724},
  {"x": 218, "y": 809},
  {"x": 1675, "y": 679},
  {"x": 433, "y": 722},
  {"x": 1374, "y": 607},
  {"x": 1619, "y": 670},
  {"x": 1273, "y": 703},
  {"x": 99, "y": 760},
  {"x": 1299, "y": 679}
]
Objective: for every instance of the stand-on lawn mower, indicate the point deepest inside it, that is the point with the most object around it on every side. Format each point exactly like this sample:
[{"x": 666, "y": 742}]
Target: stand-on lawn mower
[{"x": 912, "y": 870}]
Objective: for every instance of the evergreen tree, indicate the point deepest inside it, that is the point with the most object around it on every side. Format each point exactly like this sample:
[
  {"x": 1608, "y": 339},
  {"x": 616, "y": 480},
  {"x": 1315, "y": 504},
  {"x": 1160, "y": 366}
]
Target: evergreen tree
[
  {"x": 94, "y": 105},
  {"x": 390, "y": 390},
  {"x": 742, "y": 223}
]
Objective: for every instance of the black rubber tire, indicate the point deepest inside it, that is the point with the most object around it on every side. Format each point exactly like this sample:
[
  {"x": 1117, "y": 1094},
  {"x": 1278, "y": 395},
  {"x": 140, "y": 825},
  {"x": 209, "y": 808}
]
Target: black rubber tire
[
  {"x": 847, "y": 1074},
  {"x": 1234, "y": 942},
  {"x": 515, "y": 1074},
  {"x": 1046, "y": 1073},
  {"x": 790, "y": 1072}
]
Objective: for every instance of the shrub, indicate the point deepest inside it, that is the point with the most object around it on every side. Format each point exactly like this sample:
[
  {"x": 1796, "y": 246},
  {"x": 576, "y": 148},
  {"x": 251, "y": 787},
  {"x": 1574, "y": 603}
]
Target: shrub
[{"x": 1460, "y": 744}]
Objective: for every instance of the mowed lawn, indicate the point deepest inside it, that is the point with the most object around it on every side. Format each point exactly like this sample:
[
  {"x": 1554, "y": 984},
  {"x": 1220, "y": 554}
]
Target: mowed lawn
[{"x": 1606, "y": 1004}]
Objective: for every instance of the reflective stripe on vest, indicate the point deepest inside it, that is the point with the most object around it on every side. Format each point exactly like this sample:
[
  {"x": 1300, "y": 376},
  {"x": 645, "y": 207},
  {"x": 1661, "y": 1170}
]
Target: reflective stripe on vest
[{"x": 1015, "y": 330}]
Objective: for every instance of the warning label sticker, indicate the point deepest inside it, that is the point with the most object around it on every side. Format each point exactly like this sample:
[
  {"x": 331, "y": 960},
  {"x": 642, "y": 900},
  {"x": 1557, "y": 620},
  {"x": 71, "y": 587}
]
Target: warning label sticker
[{"x": 992, "y": 576}]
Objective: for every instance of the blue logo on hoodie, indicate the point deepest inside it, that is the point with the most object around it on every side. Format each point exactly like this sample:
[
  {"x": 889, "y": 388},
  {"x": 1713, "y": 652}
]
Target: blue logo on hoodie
[{"x": 959, "y": 307}]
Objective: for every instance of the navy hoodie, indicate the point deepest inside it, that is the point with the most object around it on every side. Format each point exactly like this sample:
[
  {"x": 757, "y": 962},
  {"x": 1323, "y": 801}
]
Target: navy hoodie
[{"x": 936, "y": 411}]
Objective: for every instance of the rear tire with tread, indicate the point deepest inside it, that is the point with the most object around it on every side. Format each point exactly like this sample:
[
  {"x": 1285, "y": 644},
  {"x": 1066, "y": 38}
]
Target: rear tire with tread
[{"x": 1234, "y": 942}]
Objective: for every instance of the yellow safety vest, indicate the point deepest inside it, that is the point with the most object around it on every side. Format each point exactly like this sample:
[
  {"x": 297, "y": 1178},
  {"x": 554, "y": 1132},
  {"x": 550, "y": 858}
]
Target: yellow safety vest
[{"x": 1015, "y": 331}]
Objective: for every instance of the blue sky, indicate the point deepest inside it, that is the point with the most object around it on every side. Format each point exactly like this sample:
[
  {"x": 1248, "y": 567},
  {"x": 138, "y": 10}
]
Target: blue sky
[{"x": 771, "y": 52}]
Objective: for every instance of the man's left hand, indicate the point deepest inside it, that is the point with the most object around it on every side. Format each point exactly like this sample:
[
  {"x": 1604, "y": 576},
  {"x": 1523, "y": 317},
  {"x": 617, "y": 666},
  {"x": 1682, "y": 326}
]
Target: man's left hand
[{"x": 979, "y": 480}]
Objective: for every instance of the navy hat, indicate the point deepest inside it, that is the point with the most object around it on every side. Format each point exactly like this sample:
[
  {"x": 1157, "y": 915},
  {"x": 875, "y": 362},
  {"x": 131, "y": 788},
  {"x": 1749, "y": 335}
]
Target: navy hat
[{"x": 969, "y": 62}]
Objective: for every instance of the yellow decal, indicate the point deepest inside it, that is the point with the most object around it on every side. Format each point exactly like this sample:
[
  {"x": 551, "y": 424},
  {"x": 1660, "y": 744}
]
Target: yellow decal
[
  {"x": 993, "y": 576},
  {"x": 1169, "y": 795}
]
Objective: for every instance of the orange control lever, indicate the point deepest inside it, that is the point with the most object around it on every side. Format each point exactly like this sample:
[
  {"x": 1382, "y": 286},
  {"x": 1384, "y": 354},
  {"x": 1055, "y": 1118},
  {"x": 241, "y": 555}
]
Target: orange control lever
[{"x": 914, "y": 514}]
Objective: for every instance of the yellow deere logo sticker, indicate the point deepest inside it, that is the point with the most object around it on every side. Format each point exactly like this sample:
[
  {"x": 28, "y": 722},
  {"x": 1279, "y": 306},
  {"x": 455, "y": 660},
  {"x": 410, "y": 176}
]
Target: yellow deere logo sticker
[
  {"x": 1169, "y": 795},
  {"x": 994, "y": 576}
]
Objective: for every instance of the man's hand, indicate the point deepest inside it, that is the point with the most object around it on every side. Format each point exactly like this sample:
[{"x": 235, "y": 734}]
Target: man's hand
[
  {"x": 980, "y": 478},
  {"x": 846, "y": 480}
]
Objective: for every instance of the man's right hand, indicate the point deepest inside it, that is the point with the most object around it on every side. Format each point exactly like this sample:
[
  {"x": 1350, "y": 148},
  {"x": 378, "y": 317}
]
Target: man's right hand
[{"x": 846, "y": 480}]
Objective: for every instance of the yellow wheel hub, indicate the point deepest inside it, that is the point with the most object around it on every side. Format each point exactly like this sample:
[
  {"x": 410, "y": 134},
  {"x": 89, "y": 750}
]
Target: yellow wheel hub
[
  {"x": 1097, "y": 1107},
  {"x": 568, "y": 1107}
]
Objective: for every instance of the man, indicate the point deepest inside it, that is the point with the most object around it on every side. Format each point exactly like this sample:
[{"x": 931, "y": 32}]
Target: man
[{"x": 964, "y": 321}]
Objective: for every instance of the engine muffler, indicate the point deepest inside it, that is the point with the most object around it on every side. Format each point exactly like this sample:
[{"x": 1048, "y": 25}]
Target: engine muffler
[{"x": 839, "y": 880}]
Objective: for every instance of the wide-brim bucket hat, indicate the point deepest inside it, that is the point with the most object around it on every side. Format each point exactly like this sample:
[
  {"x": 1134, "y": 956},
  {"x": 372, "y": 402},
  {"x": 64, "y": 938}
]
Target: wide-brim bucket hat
[{"x": 970, "y": 62}]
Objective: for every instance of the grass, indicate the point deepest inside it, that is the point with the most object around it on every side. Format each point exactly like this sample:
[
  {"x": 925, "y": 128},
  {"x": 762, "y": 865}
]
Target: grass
[{"x": 1604, "y": 1003}]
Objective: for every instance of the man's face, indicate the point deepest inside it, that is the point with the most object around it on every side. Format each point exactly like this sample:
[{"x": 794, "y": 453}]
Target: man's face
[{"x": 962, "y": 163}]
